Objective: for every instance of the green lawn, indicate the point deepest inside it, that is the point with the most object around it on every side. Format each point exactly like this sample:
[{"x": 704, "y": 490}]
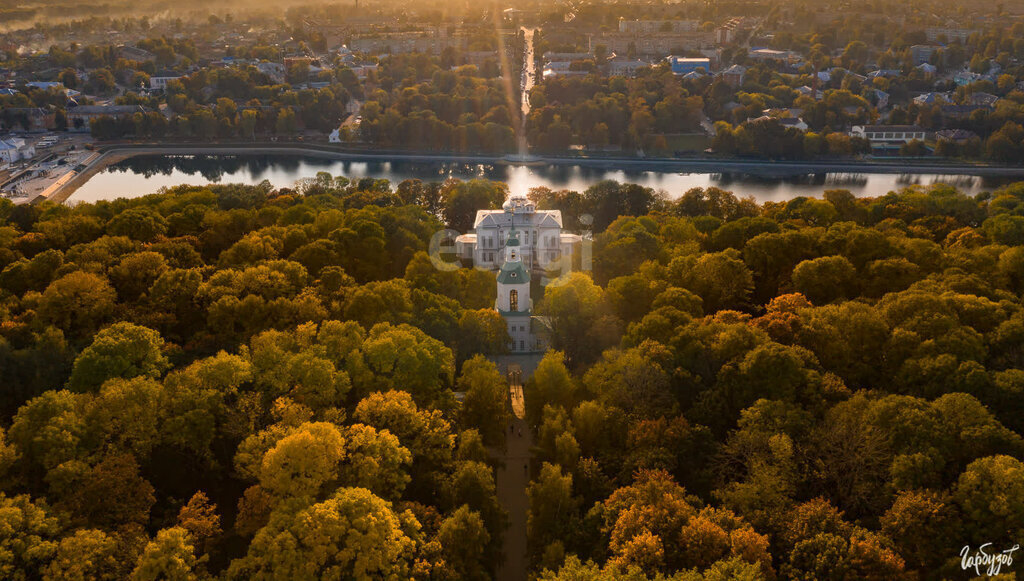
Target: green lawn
[{"x": 687, "y": 142}]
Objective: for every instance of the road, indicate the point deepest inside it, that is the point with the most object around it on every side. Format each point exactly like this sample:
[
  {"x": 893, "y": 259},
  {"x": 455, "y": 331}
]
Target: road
[
  {"x": 513, "y": 478},
  {"x": 529, "y": 78}
]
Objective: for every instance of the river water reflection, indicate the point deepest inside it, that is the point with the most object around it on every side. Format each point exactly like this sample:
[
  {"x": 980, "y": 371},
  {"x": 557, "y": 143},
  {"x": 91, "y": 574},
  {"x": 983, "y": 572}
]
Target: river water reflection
[{"x": 147, "y": 174}]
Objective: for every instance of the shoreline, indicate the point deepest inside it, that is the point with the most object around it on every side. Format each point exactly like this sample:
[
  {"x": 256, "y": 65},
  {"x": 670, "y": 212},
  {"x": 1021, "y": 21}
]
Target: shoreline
[{"x": 114, "y": 153}]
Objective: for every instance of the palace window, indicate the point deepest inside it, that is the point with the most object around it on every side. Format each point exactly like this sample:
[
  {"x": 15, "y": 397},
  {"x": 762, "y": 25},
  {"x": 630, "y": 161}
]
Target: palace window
[{"x": 513, "y": 300}]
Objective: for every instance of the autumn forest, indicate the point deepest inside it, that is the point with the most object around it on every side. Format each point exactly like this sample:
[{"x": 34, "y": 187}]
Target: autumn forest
[{"x": 243, "y": 382}]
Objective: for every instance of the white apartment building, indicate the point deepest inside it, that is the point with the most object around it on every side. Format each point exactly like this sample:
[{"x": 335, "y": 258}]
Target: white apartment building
[{"x": 653, "y": 26}]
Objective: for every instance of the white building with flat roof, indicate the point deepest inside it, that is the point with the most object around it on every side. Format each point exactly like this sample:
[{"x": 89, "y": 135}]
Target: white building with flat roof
[
  {"x": 160, "y": 83},
  {"x": 654, "y": 26},
  {"x": 883, "y": 135}
]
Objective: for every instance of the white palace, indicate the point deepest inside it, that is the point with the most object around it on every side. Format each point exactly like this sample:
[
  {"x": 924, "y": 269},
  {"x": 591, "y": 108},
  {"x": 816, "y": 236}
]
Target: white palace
[
  {"x": 516, "y": 241},
  {"x": 542, "y": 242}
]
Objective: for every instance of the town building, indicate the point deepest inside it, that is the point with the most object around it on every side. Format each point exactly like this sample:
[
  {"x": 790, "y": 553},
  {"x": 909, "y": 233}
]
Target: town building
[
  {"x": 962, "y": 78},
  {"x": 816, "y": 94},
  {"x": 733, "y": 76},
  {"x": 884, "y": 73},
  {"x": 429, "y": 42},
  {"x": 888, "y": 135},
  {"x": 567, "y": 56},
  {"x": 726, "y": 33},
  {"x": 46, "y": 85},
  {"x": 962, "y": 111},
  {"x": 562, "y": 69},
  {"x": 684, "y": 65},
  {"x": 134, "y": 53},
  {"x": 982, "y": 98},
  {"x": 14, "y": 149},
  {"x": 80, "y": 117},
  {"x": 881, "y": 99},
  {"x": 793, "y": 123},
  {"x": 160, "y": 83},
  {"x": 275, "y": 71},
  {"x": 788, "y": 122},
  {"x": 31, "y": 119},
  {"x": 944, "y": 35},
  {"x": 656, "y": 26},
  {"x": 655, "y": 45},
  {"x": 922, "y": 53},
  {"x": 770, "y": 54},
  {"x": 624, "y": 67},
  {"x": 960, "y": 136},
  {"x": 933, "y": 98}
]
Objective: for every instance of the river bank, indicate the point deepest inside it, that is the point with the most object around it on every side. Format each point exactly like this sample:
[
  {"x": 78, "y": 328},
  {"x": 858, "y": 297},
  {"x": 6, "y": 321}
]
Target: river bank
[{"x": 111, "y": 154}]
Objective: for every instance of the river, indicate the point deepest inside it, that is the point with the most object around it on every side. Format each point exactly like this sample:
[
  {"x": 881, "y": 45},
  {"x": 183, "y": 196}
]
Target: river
[{"x": 147, "y": 174}]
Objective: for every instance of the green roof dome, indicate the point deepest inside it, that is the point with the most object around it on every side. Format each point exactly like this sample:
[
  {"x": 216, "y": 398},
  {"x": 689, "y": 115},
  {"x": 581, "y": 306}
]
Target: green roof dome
[
  {"x": 513, "y": 273},
  {"x": 513, "y": 238}
]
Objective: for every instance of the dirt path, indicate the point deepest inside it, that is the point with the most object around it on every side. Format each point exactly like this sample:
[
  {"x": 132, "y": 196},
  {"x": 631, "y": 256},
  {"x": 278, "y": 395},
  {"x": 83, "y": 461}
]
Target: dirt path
[
  {"x": 512, "y": 482},
  {"x": 513, "y": 479}
]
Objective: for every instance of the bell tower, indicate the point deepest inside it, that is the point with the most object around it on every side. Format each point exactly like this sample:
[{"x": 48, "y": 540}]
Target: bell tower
[
  {"x": 513, "y": 280},
  {"x": 513, "y": 302}
]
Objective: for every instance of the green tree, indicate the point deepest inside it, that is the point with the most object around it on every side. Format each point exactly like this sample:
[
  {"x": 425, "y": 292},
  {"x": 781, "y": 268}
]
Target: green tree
[
  {"x": 481, "y": 331},
  {"x": 580, "y": 318},
  {"x": 136, "y": 273},
  {"x": 721, "y": 279},
  {"x": 376, "y": 460},
  {"x": 142, "y": 224},
  {"x": 461, "y": 200},
  {"x": 485, "y": 406},
  {"x": 405, "y": 356},
  {"x": 77, "y": 303},
  {"x": 920, "y": 523},
  {"x": 351, "y": 535},
  {"x": 87, "y": 554},
  {"x": 553, "y": 513},
  {"x": 121, "y": 350},
  {"x": 824, "y": 280},
  {"x": 550, "y": 384},
  {"x": 990, "y": 492},
  {"x": 301, "y": 463},
  {"x": 169, "y": 556},
  {"x": 463, "y": 537},
  {"x": 28, "y": 536}
]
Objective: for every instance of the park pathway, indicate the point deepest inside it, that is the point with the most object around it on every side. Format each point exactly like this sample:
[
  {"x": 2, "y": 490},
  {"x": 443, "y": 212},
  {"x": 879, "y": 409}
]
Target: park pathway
[{"x": 513, "y": 478}]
